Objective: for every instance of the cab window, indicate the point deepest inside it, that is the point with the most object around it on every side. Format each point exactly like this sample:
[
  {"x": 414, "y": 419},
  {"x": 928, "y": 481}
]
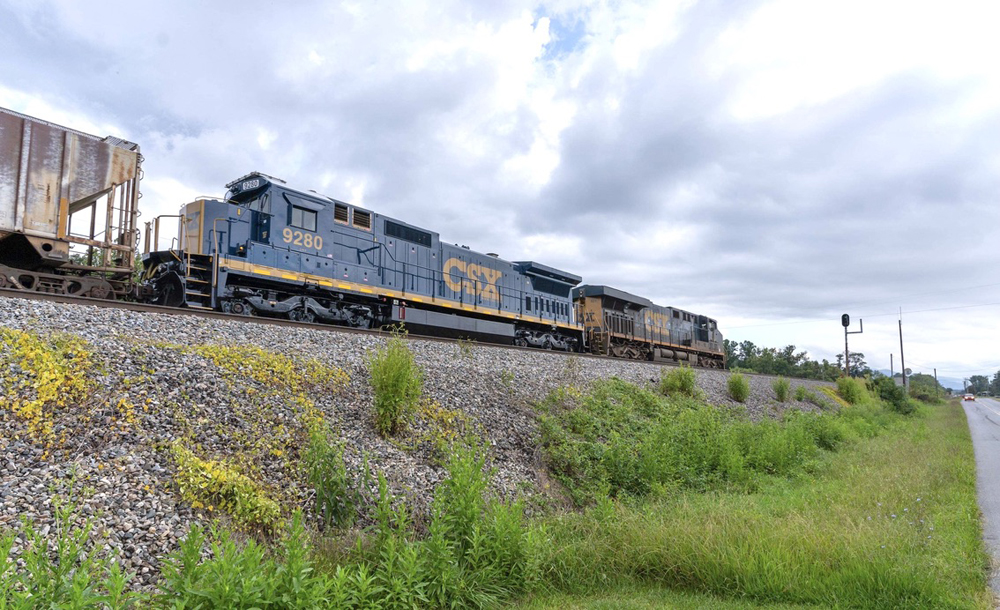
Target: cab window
[{"x": 303, "y": 218}]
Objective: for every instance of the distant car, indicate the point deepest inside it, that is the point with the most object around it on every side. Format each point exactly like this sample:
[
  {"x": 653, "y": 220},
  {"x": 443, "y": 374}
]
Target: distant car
[{"x": 969, "y": 397}]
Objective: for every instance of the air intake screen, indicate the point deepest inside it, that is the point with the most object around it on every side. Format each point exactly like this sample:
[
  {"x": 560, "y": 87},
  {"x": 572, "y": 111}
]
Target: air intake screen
[{"x": 394, "y": 229}]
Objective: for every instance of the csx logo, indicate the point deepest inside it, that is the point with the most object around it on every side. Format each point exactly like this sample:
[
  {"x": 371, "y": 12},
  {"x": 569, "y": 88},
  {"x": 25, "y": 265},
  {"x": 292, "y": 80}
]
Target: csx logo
[
  {"x": 661, "y": 320},
  {"x": 481, "y": 282}
]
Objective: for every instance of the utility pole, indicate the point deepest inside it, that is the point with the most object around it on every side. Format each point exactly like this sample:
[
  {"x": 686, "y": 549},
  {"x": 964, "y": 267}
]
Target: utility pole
[
  {"x": 902, "y": 359},
  {"x": 892, "y": 372}
]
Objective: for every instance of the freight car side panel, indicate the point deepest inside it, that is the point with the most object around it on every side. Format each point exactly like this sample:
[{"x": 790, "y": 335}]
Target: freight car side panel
[
  {"x": 46, "y": 169},
  {"x": 48, "y": 173}
]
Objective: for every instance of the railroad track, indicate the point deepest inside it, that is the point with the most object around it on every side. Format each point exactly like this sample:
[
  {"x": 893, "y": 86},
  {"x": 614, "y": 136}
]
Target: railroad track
[{"x": 218, "y": 315}]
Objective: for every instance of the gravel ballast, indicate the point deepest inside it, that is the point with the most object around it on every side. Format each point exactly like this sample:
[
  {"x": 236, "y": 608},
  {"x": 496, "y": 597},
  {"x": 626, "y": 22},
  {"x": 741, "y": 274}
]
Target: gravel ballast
[{"x": 120, "y": 471}]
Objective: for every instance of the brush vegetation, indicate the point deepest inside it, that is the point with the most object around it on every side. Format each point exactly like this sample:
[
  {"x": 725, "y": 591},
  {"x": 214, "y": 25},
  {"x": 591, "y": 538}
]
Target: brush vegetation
[
  {"x": 681, "y": 503},
  {"x": 859, "y": 508}
]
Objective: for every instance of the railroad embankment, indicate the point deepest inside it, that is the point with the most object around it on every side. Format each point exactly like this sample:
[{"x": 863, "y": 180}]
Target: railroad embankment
[
  {"x": 148, "y": 424},
  {"x": 139, "y": 429}
]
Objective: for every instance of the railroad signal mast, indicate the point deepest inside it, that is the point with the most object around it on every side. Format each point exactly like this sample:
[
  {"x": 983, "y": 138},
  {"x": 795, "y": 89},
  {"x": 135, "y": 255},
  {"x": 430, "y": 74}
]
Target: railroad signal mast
[{"x": 845, "y": 321}]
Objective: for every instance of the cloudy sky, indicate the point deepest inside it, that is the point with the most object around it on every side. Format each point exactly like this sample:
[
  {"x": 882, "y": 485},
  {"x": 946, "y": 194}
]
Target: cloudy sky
[{"x": 772, "y": 164}]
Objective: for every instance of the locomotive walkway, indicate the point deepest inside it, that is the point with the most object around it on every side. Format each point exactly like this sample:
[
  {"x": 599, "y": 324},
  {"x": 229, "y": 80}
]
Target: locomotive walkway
[{"x": 984, "y": 424}]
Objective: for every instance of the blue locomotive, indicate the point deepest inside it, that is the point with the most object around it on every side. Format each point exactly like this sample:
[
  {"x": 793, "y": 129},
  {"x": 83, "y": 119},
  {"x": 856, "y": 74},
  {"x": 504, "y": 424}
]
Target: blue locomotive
[
  {"x": 269, "y": 249},
  {"x": 272, "y": 250}
]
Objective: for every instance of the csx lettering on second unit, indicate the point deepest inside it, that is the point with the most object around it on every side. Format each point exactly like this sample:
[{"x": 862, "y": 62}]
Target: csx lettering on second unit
[{"x": 481, "y": 282}]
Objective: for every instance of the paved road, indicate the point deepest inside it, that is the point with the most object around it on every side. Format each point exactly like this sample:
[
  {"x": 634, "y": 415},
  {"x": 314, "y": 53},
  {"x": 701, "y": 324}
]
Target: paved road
[{"x": 984, "y": 423}]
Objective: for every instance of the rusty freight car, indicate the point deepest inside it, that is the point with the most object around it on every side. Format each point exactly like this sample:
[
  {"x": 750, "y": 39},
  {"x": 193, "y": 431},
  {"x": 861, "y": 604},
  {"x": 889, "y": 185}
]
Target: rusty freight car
[{"x": 68, "y": 208}]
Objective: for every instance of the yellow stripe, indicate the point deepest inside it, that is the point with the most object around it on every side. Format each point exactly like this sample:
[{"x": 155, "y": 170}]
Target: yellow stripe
[{"x": 240, "y": 265}]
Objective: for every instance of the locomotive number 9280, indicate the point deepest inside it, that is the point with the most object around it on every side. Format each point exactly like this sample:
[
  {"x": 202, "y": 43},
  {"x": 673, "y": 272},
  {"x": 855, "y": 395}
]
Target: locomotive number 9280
[{"x": 302, "y": 238}]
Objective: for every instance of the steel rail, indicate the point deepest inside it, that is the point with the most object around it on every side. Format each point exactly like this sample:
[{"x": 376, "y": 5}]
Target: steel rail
[{"x": 218, "y": 315}]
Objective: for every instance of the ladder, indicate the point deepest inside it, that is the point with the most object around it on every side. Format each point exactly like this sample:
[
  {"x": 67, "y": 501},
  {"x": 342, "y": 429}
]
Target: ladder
[
  {"x": 198, "y": 281},
  {"x": 600, "y": 341}
]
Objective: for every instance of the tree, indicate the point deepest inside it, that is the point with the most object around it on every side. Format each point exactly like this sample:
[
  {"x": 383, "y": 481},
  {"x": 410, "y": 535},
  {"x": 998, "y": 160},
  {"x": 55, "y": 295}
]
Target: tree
[
  {"x": 978, "y": 383},
  {"x": 732, "y": 357},
  {"x": 925, "y": 387},
  {"x": 857, "y": 365}
]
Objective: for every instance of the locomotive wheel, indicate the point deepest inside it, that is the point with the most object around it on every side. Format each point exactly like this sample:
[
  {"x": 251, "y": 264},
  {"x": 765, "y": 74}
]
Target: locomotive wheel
[
  {"x": 238, "y": 307},
  {"x": 102, "y": 291},
  {"x": 301, "y": 315},
  {"x": 547, "y": 344}
]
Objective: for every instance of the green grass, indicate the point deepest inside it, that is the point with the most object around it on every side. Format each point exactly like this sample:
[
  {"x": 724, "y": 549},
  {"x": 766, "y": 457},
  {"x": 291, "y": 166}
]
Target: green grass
[
  {"x": 643, "y": 597},
  {"x": 688, "y": 506},
  {"x": 891, "y": 523},
  {"x": 621, "y": 440}
]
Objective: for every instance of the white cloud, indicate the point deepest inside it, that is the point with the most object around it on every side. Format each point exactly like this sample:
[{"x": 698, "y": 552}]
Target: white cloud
[{"x": 761, "y": 162}]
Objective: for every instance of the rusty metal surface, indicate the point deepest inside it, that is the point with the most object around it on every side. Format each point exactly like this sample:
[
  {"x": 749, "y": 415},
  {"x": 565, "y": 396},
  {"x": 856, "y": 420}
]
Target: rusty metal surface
[{"x": 48, "y": 172}]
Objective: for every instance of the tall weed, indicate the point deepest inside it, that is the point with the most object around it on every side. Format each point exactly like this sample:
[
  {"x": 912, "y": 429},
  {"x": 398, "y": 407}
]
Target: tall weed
[
  {"x": 852, "y": 390},
  {"x": 336, "y": 500},
  {"x": 680, "y": 381},
  {"x": 244, "y": 575},
  {"x": 738, "y": 387},
  {"x": 397, "y": 383},
  {"x": 890, "y": 524},
  {"x": 65, "y": 572},
  {"x": 613, "y": 442},
  {"x": 781, "y": 387}
]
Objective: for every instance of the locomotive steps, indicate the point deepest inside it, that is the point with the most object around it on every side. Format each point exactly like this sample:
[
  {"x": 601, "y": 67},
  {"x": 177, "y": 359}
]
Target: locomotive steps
[{"x": 134, "y": 386}]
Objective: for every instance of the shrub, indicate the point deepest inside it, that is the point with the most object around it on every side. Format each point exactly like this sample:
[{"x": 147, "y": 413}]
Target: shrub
[
  {"x": 781, "y": 386},
  {"x": 739, "y": 387},
  {"x": 851, "y": 390},
  {"x": 892, "y": 394},
  {"x": 207, "y": 482},
  {"x": 397, "y": 383},
  {"x": 801, "y": 393},
  {"x": 679, "y": 381}
]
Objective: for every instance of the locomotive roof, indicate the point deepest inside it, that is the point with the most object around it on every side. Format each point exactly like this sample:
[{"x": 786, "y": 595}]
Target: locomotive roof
[
  {"x": 278, "y": 182},
  {"x": 550, "y": 272},
  {"x": 607, "y": 291}
]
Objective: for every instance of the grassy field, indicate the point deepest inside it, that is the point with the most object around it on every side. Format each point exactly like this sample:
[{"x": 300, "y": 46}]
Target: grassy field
[{"x": 890, "y": 522}]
